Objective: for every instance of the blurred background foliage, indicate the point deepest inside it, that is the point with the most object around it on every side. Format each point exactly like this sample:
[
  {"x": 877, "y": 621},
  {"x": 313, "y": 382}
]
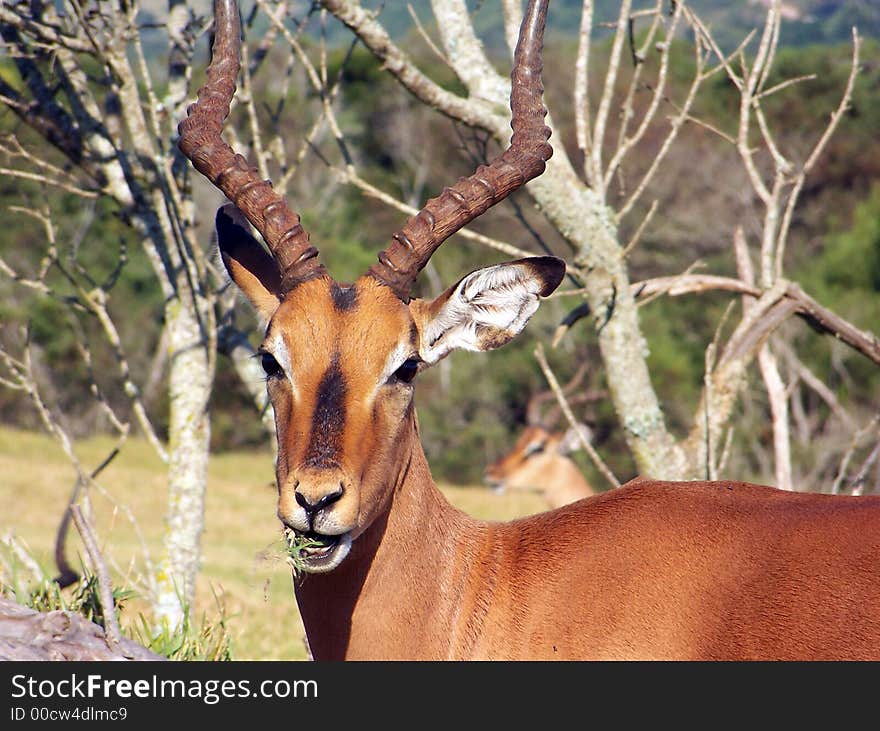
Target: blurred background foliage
[{"x": 471, "y": 406}]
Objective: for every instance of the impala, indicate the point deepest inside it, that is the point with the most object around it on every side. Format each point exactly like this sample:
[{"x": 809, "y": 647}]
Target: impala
[
  {"x": 538, "y": 460},
  {"x": 651, "y": 570}
]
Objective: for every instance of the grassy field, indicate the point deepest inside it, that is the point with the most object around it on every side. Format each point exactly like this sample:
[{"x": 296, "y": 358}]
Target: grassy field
[{"x": 241, "y": 559}]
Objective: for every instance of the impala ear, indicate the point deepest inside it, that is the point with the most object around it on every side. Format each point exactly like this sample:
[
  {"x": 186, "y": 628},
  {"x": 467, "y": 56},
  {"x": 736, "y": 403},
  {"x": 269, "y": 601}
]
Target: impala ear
[
  {"x": 571, "y": 442},
  {"x": 251, "y": 267},
  {"x": 487, "y": 308}
]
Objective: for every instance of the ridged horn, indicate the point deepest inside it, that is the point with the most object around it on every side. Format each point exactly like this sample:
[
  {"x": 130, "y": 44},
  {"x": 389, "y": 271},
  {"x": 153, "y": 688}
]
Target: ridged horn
[
  {"x": 201, "y": 142},
  {"x": 411, "y": 247}
]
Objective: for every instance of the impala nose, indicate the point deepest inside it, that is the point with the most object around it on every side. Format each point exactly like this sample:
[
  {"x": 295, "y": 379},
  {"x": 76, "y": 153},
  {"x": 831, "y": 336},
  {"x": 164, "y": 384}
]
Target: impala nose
[
  {"x": 494, "y": 483},
  {"x": 322, "y": 502}
]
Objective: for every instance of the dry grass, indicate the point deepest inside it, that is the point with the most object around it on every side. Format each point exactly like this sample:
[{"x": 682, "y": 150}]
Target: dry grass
[{"x": 243, "y": 559}]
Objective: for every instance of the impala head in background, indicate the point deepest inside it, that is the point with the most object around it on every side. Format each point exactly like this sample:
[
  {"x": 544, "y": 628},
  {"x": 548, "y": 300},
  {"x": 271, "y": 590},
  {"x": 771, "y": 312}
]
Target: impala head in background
[
  {"x": 538, "y": 460},
  {"x": 340, "y": 359}
]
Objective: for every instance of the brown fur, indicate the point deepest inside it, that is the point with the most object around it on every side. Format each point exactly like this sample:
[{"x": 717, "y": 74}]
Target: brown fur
[{"x": 650, "y": 570}]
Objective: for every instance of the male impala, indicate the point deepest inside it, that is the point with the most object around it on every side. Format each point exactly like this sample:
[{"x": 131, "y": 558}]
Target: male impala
[{"x": 651, "y": 570}]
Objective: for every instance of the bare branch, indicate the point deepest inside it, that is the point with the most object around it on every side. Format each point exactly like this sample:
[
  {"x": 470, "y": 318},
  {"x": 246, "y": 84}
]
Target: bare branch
[
  {"x": 513, "y": 15},
  {"x": 569, "y": 415},
  {"x": 675, "y": 124},
  {"x": 105, "y": 585},
  {"x": 857, "y": 484},
  {"x": 47, "y": 34},
  {"x": 351, "y": 177},
  {"x": 466, "y": 53},
  {"x": 23, "y": 557},
  {"x": 797, "y": 302},
  {"x": 608, "y": 93},
  {"x": 246, "y": 97},
  {"x": 626, "y": 143},
  {"x": 712, "y": 128},
  {"x": 637, "y": 234},
  {"x": 469, "y": 111},
  {"x": 429, "y": 42},
  {"x": 180, "y": 49},
  {"x": 709, "y": 359},
  {"x": 46, "y": 180},
  {"x": 783, "y": 85},
  {"x": 818, "y": 149},
  {"x": 582, "y": 92},
  {"x": 779, "y": 413},
  {"x": 856, "y": 441},
  {"x": 825, "y": 321},
  {"x": 67, "y": 575},
  {"x": 817, "y": 385},
  {"x": 22, "y": 372}
]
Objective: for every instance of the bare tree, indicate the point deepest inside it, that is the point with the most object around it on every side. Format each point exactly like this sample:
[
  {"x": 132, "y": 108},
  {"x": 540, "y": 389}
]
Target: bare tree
[
  {"x": 87, "y": 89},
  {"x": 99, "y": 93}
]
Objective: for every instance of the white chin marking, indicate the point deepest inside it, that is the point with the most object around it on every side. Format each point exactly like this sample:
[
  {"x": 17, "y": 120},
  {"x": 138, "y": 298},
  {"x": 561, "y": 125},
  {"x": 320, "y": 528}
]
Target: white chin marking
[{"x": 324, "y": 562}]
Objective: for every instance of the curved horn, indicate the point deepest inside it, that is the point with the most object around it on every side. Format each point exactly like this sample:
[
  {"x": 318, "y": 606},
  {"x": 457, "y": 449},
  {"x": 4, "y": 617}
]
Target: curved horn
[
  {"x": 553, "y": 415},
  {"x": 412, "y": 246},
  {"x": 534, "y": 406},
  {"x": 200, "y": 141}
]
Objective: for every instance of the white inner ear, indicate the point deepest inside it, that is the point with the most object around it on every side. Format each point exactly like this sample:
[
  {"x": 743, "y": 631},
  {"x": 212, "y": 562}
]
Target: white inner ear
[
  {"x": 485, "y": 310},
  {"x": 571, "y": 442}
]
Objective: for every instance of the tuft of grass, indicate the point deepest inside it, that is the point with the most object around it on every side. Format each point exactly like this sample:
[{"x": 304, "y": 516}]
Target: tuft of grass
[
  {"x": 23, "y": 580},
  {"x": 294, "y": 545},
  {"x": 83, "y": 598},
  {"x": 209, "y": 639}
]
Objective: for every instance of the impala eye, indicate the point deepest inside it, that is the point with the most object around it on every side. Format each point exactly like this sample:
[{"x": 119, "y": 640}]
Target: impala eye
[
  {"x": 270, "y": 365},
  {"x": 407, "y": 371},
  {"x": 534, "y": 448}
]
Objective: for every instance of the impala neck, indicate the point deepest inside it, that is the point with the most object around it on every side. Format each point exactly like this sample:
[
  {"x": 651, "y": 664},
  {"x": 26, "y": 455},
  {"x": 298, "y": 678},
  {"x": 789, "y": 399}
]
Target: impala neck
[
  {"x": 565, "y": 483},
  {"x": 406, "y": 572}
]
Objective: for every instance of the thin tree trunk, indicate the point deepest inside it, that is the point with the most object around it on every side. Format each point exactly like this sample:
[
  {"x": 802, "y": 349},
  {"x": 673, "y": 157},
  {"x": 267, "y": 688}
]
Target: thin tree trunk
[
  {"x": 579, "y": 215},
  {"x": 190, "y": 375}
]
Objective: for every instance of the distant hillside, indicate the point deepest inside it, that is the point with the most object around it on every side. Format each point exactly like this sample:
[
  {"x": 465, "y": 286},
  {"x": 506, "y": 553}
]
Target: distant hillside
[{"x": 805, "y": 21}]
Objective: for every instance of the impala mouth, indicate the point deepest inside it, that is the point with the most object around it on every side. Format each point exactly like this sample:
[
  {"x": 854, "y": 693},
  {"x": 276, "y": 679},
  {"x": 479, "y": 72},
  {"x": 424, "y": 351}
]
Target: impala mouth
[{"x": 314, "y": 553}]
